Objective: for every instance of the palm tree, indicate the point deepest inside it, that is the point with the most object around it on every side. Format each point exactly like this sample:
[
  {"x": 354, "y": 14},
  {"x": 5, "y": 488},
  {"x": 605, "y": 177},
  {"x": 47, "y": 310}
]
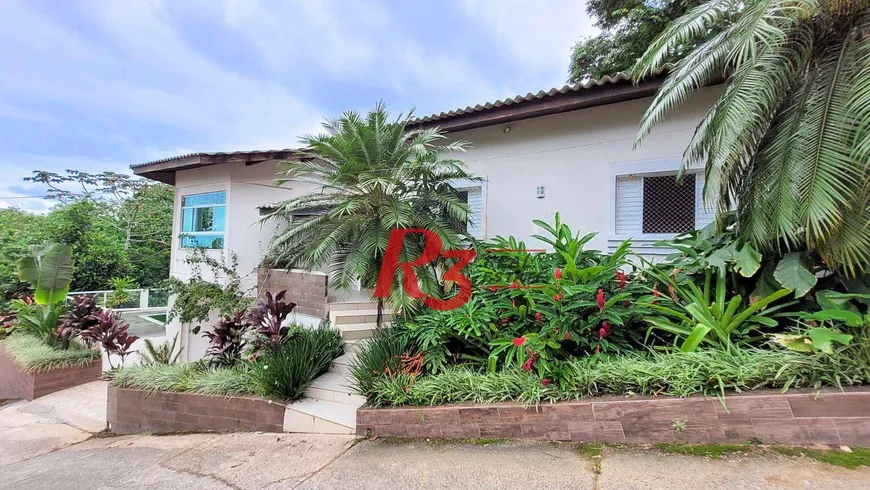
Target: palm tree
[
  {"x": 788, "y": 141},
  {"x": 374, "y": 175}
]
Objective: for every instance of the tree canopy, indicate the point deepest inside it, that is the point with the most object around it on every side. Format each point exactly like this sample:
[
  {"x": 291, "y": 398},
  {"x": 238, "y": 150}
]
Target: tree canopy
[
  {"x": 117, "y": 225},
  {"x": 628, "y": 27}
]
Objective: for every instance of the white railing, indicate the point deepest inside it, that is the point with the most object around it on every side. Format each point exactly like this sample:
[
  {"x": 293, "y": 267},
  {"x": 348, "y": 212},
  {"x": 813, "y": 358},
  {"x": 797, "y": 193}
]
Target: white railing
[{"x": 139, "y": 299}]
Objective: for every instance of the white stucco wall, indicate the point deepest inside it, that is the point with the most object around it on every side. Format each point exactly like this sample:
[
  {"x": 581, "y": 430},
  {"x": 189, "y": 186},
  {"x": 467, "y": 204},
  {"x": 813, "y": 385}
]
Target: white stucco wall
[
  {"x": 576, "y": 156},
  {"x": 247, "y": 188}
]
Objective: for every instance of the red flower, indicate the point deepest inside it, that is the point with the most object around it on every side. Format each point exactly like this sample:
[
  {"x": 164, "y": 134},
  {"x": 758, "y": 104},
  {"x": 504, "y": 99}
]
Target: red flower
[
  {"x": 656, "y": 294},
  {"x": 545, "y": 381},
  {"x": 558, "y": 297},
  {"x": 606, "y": 326},
  {"x": 514, "y": 285},
  {"x": 567, "y": 335},
  {"x": 620, "y": 279},
  {"x": 600, "y": 298},
  {"x": 557, "y": 273},
  {"x": 527, "y": 366},
  {"x": 626, "y": 303},
  {"x": 601, "y": 333},
  {"x": 520, "y": 341},
  {"x": 493, "y": 288},
  {"x": 538, "y": 316},
  {"x": 513, "y": 303},
  {"x": 598, "y": 348}
]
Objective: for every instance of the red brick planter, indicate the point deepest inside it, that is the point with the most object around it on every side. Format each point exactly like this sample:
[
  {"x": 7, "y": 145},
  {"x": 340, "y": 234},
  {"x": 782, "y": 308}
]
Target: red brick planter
[
  {"x": 826, "y": 417},
  {"x": 15, "y": 383},
  {"x": 131, "y": 411}
]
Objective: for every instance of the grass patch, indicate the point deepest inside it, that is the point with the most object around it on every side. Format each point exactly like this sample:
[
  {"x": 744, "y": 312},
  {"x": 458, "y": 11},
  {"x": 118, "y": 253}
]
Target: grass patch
[
  {"x": 858, "y": 457},
  {"x": 590, "y": 450},
  {"x": 681, "y": 374},
  {"x": 34, "y": 356},
  {"x": 194, "y": 377},
  {"x": 714, "y": 451}
]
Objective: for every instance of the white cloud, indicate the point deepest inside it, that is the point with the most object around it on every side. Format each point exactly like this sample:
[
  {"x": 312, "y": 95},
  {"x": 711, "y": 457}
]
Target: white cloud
[
  {"x": 146, "y": 72},
  {"x": 539, "y": 34}
]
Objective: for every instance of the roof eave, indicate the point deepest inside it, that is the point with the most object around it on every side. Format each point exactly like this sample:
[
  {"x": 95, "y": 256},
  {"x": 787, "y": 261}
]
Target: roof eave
[
  {"x": 564, "y": 102},
  {"x": 164, "y": 171}
]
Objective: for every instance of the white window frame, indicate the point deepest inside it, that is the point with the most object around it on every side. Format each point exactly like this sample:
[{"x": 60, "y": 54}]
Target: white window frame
[
  {"x": 466, "y": 185},
  {"x": 182, "y": 207},
  {"x": 642, "y": 242}
]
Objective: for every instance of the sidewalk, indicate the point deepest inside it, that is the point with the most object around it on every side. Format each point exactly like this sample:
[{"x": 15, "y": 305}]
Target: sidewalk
[
  {"x": 54, "y": 442},
  {"x": 252, "y": 461}
]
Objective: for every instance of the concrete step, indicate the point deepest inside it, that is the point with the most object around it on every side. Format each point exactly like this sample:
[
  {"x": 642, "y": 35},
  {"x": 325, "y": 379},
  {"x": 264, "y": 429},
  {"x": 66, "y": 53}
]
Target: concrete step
[
  {"x": 320, "y": 417},
  {"x": 356, "y": 331},
  {"x": 351, "y": 345},
  {"x": 341, "y": 364},
  {"x": 334, "y": 387},
  {"x": 352, "y": 305},
  {"x": 343, "y": 317}
]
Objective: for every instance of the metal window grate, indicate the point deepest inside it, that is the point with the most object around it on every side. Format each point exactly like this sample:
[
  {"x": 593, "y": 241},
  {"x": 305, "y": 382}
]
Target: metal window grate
[
  {"x": 668, "y": 206},
  {"x": 463, "y": 197}
]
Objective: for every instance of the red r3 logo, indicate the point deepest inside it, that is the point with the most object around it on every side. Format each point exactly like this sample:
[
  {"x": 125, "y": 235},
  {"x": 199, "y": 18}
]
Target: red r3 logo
[{"x": 431, "y": 251}]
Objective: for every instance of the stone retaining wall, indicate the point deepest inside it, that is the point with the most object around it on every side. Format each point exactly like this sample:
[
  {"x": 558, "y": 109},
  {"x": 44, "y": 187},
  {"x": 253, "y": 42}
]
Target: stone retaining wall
[
  {"x": 15, "y": 383},
  {"x": 307, "y": 290},
  {"x": 131, "y": 411},
  {"x": 825, "y": 417}
]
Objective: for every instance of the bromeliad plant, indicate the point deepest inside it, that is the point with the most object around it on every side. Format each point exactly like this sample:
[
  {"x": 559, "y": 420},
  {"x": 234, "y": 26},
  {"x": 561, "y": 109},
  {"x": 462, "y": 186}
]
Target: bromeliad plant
[{"x": 694, "y": 315}]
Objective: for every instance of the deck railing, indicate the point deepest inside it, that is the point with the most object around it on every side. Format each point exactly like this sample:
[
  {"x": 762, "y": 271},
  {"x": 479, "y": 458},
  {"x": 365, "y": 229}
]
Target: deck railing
[{"x": 139, "y": 299}]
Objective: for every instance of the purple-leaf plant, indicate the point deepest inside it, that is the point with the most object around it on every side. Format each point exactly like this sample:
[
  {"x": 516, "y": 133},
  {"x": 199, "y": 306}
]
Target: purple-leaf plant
[
  {"x": 225, "y": 338},
  {"x": 267, "y": 317},
  {"x": 111, "y": 333}
]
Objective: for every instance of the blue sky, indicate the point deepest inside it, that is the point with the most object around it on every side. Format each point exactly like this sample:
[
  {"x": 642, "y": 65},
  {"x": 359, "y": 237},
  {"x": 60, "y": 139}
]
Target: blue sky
[{"x": 100, "y": 85}]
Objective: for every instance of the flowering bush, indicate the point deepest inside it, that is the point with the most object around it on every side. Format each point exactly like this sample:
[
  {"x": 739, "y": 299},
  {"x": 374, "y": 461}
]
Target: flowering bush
[{"x": 531, "y": 308}]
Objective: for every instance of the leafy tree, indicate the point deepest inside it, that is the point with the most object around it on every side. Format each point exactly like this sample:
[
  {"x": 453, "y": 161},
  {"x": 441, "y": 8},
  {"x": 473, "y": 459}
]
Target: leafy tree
[
  {"x": 133, "y": 213},
  {"x": 96, "y": 244},
  {"x": 788, "y": 141},
  {"x": 628, "y": 27},
  {"x": 18, "y": 230},
  {"x": 374, "y": 175}
]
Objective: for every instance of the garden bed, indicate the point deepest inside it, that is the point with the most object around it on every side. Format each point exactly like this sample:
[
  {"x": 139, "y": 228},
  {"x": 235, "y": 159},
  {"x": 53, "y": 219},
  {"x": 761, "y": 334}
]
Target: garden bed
[
  {"x": 131, "y": 411},
  {"x": 827, "y": 416},
  {"x": 19, "y": 382}
]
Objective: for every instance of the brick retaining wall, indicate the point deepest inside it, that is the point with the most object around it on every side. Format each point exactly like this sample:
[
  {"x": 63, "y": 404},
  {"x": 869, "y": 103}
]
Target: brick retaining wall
[
  {"x": 15, "y": 383},
  {"x": 308, "y": 291},
  {"x": 131, "y": 411},
  {"x": 826, "y": 417}
]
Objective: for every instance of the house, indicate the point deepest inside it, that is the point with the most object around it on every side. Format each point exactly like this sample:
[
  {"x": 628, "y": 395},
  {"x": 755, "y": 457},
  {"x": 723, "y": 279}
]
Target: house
[{"x": 568, "y": 150}]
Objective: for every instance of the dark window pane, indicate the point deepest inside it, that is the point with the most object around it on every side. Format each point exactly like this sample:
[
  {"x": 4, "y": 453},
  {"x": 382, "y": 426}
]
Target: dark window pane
[{"x": 668, "y": 206}]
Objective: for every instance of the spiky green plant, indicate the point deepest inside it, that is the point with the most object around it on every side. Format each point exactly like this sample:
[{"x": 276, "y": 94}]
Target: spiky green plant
[
  {"x": 164, "y": 353},
  {"x": 287, "y": 371},
  {"x": 373, "y": 175},
  {"x": 788, "y": 140}
]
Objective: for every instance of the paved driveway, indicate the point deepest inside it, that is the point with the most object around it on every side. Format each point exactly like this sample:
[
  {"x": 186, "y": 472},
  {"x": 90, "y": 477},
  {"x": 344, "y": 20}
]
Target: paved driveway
[{"x": 54, "y": 442}]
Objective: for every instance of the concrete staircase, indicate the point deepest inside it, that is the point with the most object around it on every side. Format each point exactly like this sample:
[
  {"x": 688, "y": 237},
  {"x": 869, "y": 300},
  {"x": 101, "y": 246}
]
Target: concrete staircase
[{"x": 330, "y": 405}]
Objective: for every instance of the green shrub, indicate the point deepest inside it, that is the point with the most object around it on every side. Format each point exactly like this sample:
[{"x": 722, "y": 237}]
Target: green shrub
[
  {"x": 532, "y": 309},
  {"x": 194, "y": 377},
  {"x": 157, "y": 377},
  {"x": 33, "y": 355},
  {"x": 286, "y": 372},
  {"x": 381, "y": 356},
  {"x": 712, "y": 372}
]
